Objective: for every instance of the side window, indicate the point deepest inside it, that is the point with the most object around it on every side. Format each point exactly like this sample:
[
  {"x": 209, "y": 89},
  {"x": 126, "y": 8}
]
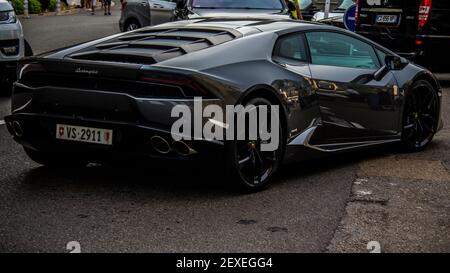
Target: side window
[
  {"x": 334, "y": 49},
  {"x": 291, "y": 47}
]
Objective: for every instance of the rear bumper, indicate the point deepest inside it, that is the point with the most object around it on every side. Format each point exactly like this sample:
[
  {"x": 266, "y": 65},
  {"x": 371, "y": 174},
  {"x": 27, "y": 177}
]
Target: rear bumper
[
  {"x": 134, "y": 121},
  {"x": 129, "y": 140}
]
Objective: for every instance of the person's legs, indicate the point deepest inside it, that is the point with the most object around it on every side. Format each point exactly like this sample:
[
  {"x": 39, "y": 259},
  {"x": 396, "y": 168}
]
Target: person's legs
[
  {"x": 93, "y": 6},
  {"x": 108, "y": 5}
]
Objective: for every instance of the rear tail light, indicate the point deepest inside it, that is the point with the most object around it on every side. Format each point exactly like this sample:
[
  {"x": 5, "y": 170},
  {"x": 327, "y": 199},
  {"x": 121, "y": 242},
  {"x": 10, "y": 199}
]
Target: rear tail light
[
  {"x": 190, "y": 87},
  {"x": 357, "y": 13},
  {"x": 424, "y": 12}
]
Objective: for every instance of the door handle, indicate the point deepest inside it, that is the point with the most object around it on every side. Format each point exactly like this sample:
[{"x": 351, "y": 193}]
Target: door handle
[
  {"x": 329, "y": 86},
  {"x": 158, "y": 6},
  {"x": 144, "y": 3}
]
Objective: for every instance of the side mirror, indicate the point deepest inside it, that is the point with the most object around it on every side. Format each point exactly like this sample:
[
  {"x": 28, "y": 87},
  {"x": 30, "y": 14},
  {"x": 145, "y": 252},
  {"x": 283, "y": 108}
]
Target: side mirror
[
  {"x": 391, "y": 63},
  {"x": 181, "y": 4},
  {"x": 380, "y": 73},
  {"x": 394, "y": 62}
]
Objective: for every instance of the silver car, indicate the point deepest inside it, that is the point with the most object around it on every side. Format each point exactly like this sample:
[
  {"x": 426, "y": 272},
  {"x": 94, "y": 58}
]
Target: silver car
[
  {"x": 12, "y": 45},
  {"x": 142, "y": 13}
]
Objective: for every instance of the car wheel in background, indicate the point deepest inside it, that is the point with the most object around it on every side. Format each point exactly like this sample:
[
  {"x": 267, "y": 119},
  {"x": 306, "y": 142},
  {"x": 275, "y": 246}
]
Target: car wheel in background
[
  {"x": 420, "y": 118},
  {"x": 248, "y": 167},
  {"x": 132, "y": 24}
]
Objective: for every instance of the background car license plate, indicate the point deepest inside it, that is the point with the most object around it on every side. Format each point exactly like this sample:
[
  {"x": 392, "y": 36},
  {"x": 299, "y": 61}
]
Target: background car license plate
[
  {"x": 387, "y": 19},
  {"x": 84, "y": 134}
]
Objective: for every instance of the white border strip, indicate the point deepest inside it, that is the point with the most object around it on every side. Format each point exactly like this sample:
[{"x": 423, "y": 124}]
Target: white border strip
[{"x": 2, "y": 122}]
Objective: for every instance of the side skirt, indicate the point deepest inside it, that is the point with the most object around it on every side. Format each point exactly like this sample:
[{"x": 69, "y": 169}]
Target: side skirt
[{"x": 301, "y": 149}]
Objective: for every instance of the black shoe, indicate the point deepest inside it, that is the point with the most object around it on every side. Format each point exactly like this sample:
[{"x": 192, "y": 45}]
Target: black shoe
[
  {"x": 109, "y": 13},
  {"x": 106, "y": 14}
]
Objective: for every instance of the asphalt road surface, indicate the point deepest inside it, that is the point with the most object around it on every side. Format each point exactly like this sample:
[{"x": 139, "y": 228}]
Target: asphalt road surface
[
  {"x": 337, "y": 204},
  {"x": 45, "y": 33}
]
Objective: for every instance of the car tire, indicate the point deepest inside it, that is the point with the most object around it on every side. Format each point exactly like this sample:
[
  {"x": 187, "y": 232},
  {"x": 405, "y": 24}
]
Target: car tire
[
  {"x": 243, "y": 157},
  {"x": 132, "y": 24},
  {"x": 420, "y": 116},
  {"x": 55, "y": 160}
]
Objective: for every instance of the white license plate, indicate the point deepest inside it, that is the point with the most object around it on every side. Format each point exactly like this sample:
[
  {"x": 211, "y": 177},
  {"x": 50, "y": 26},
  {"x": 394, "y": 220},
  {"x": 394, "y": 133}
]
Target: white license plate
[
  {"x": 84, "y": 134},
  {"x": 387, "y": 19}
]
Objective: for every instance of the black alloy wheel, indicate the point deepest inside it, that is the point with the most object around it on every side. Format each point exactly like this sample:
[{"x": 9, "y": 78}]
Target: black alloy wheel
[
  {"x": 420, "y": 120},
  {"x": 132, "y": 25},
  {"x": 251, "y": 167}
]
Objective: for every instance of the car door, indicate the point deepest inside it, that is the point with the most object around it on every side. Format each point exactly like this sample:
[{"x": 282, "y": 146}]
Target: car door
[
  {"x": 290, "y": 53},
  {"x": 353, "y": 104},
  {"x": 161, "y": 11},
  {"x": 138, "y": 10}
]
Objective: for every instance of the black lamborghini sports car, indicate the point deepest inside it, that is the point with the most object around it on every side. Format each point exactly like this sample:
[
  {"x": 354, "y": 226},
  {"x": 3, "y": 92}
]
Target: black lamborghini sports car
[{"x": 113, "y": 97}]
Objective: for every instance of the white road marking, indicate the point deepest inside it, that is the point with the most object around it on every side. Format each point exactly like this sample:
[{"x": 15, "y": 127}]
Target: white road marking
[
  {"x": 364, "y": 193},
  {"x": 2, "y": 122}
]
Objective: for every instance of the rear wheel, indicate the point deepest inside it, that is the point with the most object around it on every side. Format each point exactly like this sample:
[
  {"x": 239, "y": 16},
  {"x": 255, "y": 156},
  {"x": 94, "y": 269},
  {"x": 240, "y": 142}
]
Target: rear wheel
[
  {"x": 420, "y": 118},
  {"x": 55, "y": 160},
  {"x": 132, "y": 24},
  {"x": 249, "y": 166}
]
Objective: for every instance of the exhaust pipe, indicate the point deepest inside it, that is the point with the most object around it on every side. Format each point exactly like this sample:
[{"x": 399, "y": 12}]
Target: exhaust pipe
[
  {"x": 17, "y": 129},
  {"x": 160, "y": 145},
  {"x": 182, "y": 148}
]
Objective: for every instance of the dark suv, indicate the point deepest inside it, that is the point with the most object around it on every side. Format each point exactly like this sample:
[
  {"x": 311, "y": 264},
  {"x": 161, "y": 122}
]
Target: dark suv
[
  {"x": 416, "y": 29},
  {"x": 142, "y": 13}
]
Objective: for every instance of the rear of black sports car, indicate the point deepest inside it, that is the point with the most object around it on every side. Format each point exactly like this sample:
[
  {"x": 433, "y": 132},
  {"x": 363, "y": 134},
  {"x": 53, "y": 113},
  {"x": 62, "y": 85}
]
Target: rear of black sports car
[{"x": 106, "y": 100}]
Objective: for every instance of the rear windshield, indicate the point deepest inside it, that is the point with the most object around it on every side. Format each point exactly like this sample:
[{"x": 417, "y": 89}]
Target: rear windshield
[{"x": 238, "y": 4}]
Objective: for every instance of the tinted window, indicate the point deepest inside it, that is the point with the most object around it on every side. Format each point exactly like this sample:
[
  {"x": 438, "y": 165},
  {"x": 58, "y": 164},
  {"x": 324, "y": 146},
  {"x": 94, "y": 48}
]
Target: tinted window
[
  {"x": 239, "y": 4},
  {"x": 381, "y": 56},
  {"x": 291, "y": 47},
  {"x": 335, "y": 49}
]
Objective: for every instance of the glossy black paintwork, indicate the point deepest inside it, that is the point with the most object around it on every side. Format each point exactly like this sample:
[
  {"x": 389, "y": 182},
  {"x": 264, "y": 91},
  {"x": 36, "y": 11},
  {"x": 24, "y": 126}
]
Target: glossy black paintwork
[{"x": 360, "y": 112}]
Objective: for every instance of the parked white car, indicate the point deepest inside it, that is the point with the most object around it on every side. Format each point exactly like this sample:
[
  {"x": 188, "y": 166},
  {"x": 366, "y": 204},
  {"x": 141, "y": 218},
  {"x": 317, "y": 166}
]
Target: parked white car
[{"x": 12, "y": 45}]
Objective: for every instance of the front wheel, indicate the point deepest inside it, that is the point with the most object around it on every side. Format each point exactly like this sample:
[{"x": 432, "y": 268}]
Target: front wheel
[
  {"x": 250, "y": 166},
  {"x": 420, "y": 118}
]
